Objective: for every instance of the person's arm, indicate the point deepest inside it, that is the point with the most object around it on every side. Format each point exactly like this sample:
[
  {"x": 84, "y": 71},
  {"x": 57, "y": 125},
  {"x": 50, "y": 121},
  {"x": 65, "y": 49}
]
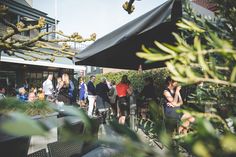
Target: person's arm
[
  {"x": 180, "y": 99},
  {"x": 111, "y": 92},
  {"x": 72, "y": 87},
  {"x": 108, "y": 84},
  {"x": 89, "y": 87},
  {"x": 85, "y": 91},
  {"x": 130, "y": 90},
  {"x": 173, "y": 101},
  {"x": 51, "y": 88}
]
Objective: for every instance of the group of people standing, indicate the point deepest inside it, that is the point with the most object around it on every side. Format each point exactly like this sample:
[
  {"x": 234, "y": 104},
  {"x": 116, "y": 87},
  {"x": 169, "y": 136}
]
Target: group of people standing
[
  {"x": 117, "y": 96},
  {"x": 63, "y": 91},
  {"x": 106, "y": 94}
]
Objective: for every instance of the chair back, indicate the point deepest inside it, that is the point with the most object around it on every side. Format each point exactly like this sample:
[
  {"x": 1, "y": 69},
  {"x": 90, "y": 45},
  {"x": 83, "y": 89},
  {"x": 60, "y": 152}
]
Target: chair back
[
  {"x": 40, "y": 153},
  {"x": 64, "y": 149},
  {"x": 15, "y": 147}
]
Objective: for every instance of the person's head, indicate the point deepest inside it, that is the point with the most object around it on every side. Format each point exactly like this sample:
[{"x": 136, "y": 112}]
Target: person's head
[
  {"x": 65, "y": 79},
  {"x": 32, "y": 90},
  {"x": 103, "y": 80},
  {"x": 50, "y": 77},
  {"x": 81, "y": 80},
  {"x": 40, "y": 90},
  {"x": 124, "y": 79},
  {"x": 170, "y": 82},
  {"x": 22, "y": 90},
  {"x": 92, "y": 78}
]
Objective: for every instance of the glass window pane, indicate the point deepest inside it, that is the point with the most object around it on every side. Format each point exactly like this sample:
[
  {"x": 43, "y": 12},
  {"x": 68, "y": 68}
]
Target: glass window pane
[
  {"x": 33, "y": 76},
  {"x": 39, "y": 75}
]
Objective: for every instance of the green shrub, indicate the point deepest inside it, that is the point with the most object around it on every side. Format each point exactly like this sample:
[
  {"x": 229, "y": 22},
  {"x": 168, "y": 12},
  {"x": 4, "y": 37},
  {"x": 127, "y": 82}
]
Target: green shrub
[
  {"x": 137, "y": 79},
  {"x": 30, "y": 108}
]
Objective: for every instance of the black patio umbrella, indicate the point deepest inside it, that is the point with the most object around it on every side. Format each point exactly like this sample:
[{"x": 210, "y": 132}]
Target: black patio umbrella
[{"x": 118, "y": 49}]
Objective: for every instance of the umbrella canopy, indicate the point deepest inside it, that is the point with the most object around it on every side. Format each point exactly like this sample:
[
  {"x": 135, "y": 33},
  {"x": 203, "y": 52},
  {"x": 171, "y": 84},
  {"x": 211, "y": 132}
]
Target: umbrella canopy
[{"x": 118, "y": 48}]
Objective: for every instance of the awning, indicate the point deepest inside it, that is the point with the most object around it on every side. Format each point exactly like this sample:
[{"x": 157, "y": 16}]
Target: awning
[
  {"x": 59, "y": 62},
  {"x": 118, "y": 49}
]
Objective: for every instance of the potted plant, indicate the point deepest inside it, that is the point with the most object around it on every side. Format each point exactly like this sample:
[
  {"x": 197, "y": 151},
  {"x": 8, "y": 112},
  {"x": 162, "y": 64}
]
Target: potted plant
[{"x": 40, "y": 115}]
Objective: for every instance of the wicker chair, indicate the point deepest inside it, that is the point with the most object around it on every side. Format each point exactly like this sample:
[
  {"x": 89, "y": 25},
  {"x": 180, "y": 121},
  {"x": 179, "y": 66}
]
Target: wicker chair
[
  {"x": 64, "y": 149},
  {"x": 40, "y": 153},
  {"x": 15, "y": 147}
]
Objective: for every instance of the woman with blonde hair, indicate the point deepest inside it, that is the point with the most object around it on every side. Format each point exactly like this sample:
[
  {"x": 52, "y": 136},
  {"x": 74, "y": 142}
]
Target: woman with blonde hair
[
  {"x": 40, "y": 94},
  {"x": 64, "y": 89},
  {"x": 32, "y": 96},
  {"x": 83, "y": 92},
  {"x": 65, "y": 79}
]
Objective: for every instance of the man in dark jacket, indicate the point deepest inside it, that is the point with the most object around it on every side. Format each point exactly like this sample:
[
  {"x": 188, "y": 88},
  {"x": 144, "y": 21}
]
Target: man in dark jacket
[{"x": 102, "y": 93}]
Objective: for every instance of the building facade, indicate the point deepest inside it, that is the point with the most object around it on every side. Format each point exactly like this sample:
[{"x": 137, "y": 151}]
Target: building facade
[
  {"x": 204, "y": 8},
  {"x": 14, "y": 71},
  {"x": 206, "y": 4}
]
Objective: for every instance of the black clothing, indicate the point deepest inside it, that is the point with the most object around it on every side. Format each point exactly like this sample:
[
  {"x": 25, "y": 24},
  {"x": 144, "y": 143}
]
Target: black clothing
[
  {"x": 171, "y": 111},
  {"x": 63, "y": 95},
  {"x": 102, "y": 91},
  {"x": 91, "y": 88},
  {"x": 149, "y": 91},
  {"x": 124, "y": 106}
]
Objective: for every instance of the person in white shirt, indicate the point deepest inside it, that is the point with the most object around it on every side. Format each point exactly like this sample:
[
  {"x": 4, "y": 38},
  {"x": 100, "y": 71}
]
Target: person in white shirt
[{"x": 48, "y": 86}]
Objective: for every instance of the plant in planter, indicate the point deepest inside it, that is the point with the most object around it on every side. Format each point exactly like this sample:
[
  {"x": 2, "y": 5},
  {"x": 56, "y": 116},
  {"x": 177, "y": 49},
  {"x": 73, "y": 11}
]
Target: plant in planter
[
  {"x": 38, "y": 117},
  {"x": 10, "y": 105},
  {"x": 29, "y": 108}
]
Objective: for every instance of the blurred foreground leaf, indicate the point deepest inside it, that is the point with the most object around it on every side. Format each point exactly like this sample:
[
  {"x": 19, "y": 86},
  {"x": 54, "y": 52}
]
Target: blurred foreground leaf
[{"x": 21, "y": 125}]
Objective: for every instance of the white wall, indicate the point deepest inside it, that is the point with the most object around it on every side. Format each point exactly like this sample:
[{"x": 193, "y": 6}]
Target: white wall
[{"x": 30, "y": 2}]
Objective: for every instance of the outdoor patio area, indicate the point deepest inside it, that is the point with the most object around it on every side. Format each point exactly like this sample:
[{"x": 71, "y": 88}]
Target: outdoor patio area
[{"x": 124, "y": 78}]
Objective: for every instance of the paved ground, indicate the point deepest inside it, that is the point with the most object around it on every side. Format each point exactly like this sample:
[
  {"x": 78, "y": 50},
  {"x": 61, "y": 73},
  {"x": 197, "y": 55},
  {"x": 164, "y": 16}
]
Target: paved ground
[{"x": 38, "y": 142}]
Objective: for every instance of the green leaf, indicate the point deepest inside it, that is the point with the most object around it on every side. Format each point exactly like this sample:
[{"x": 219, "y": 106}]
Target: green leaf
[
  {"x": 21, "y": 125},
  {"x": 173, "y": 48},
  {"x": 172, "y": 69},
  {"x": 146, "y": 50},
  {"x": 154, "y": 57},
  {"x": 228, "y": 143},
  {"x": 178, "y": 38},
  {"x": 164, "y": 48},
  {"x": 200, "y": 149},
  {"x": 233, "y": 75},
  {"x": 197, "y": 43},
  {"x": 123, "y": 130},
  {"x": 184, "y": 26},
  {"x": 72, "y": 111},
  {"x": 193, "y": 26}
]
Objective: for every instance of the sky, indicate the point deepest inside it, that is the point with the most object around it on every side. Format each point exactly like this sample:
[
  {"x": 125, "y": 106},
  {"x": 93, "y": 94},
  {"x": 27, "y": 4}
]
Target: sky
[{"x": 93, "y": 16}]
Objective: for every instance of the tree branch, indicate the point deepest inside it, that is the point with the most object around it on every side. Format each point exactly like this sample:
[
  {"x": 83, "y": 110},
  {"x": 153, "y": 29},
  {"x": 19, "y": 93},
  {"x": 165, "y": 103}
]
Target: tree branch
[{"x": 37, "y": 45}]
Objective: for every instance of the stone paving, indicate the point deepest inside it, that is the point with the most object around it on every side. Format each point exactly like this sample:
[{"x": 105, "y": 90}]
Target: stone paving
[{"x": 39, "y": 142}]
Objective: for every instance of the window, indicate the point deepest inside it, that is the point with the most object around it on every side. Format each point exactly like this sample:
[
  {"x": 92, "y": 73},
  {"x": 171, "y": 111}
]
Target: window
[
  {"x": 39, "y": 75},
  {"x": 94, "y": 68},
  {"x": 33, "y": 75},
  {"x": 89, "y": 69}
]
